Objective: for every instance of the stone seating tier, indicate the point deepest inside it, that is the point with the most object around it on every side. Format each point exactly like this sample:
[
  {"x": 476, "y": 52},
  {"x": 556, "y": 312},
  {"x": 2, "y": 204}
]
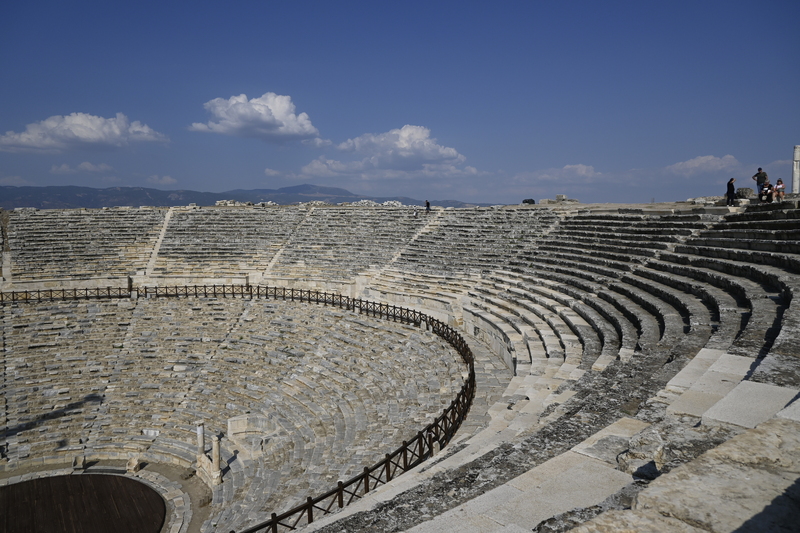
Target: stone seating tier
[
  {"x": 608, "y": 309},
  {"x": 81, "y": 377},
  {"x": 597, "y": 335},
  {"x": 765, "y": 310},
  {"x": 768, "y": 291},
  {"x": 475, "y": 239},
  {"x": 224, "y": 240},
  {"x": 341, "y": 242},
  {"x": 576, "y": 284},
  {"x": 81, "y": 243}
]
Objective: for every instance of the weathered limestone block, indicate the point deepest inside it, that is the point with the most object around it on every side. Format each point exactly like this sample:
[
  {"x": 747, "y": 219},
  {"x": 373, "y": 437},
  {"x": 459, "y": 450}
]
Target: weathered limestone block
[
  {"x": 751, "y": 481},
  {"x": 634, "y": 522},
  {"x": 133, "y": 465},
  {"x": 251, "y": 432},
  {"x": 79, "y": 462},
  {"x": 667, "y": 444}
]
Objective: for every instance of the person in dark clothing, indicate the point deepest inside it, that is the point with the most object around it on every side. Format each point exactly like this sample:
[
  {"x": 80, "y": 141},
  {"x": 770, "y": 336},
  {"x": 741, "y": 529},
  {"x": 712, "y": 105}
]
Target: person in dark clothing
[
  {"x": 768, "y": 192},
  {"x": 427, "y": 205},
  {"x": 761, "y": 178},
  {"x": 731, "y": 191}
]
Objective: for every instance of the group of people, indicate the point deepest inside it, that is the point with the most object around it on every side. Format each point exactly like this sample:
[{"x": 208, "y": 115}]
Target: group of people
[{"x": 765, "y": 191}]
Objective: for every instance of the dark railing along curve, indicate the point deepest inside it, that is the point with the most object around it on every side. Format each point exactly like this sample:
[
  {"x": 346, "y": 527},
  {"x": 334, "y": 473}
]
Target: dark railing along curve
[{"x": 410, "y": 454}]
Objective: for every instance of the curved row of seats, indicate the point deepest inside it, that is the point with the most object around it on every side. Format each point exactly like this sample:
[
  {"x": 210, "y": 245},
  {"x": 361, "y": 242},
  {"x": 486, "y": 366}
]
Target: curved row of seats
[
  {"x": 561, "y": 296},
  {"x": 710, "y": 294},
  {"x": 605, "y": 287},
  {"x": 283, "y": 242},
  {"x": 80, "y": 243},
  {"x": 339, "y": 243},
  {"x": 223, "y": 241},
  {"x": 474, "y": 239},
  {"x": 111, "y": 378}
]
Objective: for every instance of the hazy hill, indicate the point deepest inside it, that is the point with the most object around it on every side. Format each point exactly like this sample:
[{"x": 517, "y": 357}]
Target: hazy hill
[{"x": 64, "y": 197}]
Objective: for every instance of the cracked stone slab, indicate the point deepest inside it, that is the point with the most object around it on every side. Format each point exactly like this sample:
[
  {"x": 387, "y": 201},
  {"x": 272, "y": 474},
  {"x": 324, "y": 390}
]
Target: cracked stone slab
[
  {"x": 565, "y": 482},
  {"x": 634, "y": 522},
  {"x": 610, "y": 441},
  {"x": 749, "y": 483}
]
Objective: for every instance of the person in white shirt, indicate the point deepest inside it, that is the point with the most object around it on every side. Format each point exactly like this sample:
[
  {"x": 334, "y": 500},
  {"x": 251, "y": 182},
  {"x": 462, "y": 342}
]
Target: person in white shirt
[{"x": 779, "y": 191}]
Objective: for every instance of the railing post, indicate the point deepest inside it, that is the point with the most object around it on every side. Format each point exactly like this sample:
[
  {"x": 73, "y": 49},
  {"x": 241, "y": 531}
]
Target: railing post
[
  {"x": 405, "y": 456},
  {"x": 310, "y": 504},
  {"x": 388, "y": 468},
  {"x": 341, "y": 495},
  {"x": 274, "y": 523},
  {"x": 366, "y": 480}
]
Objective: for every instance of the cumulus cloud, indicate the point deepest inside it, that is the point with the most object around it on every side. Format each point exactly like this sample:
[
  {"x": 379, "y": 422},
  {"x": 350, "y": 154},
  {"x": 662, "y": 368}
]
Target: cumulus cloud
[
  {"x": 271, "y": 117},
  {"x": 780, "y": 163},
  {"x": 89, "y": 167},
  {"x": 270, "y": 172},
  {"x": 162, "y": 180},
  {"x": 62, "y": 169},
  {"x": 86, "y": 166},
  {"x": 407, "y": 152},
  {"x": 407, "y": 148},
  {"x": 317, "y": 142},
  {"x": 15, "y": 181},
  {"x": 706, "y": 164},
  {"x": 573, "y": 174},
  {"x": 79, "y": 130}
]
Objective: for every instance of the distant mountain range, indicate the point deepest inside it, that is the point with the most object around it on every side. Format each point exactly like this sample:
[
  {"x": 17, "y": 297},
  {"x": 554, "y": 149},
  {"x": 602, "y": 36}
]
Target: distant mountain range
[{"x": 66, "y": 197}]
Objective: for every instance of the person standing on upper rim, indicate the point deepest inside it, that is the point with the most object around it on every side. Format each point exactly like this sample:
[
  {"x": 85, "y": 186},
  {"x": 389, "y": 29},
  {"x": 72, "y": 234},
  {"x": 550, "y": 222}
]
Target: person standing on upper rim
[
  {"x": 760, "y": 178},
  {"x": 427, "y": 206},
  {"x": 731, "y": 194}
]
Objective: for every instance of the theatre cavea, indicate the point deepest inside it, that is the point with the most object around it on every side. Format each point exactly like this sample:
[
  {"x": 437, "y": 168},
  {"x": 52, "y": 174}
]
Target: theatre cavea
[{"x": 380, "y": 368}]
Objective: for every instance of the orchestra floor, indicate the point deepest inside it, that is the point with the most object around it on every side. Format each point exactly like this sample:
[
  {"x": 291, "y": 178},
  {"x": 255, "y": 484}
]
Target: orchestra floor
[{"x": 85, "y": 503}]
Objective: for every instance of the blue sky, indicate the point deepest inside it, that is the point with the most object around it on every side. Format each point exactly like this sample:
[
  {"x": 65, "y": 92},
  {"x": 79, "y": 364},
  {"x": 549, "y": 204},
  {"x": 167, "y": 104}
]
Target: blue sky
[{"x": 488, "y": 102}]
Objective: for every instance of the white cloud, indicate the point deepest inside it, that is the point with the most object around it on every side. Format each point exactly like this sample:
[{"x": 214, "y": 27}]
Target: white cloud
[
  {"x": 16, "y": 181},
  {"x": 270, "y": 172},
  {"x": 404, "y": 153},
  {"x": 706, "y": 164},
  {"x": 317, "y": 142},
  {"x": 90, "y": 167},
  {"x": 86, "y": 166},
  {"x": 62, "y": 169},
  {"x": 78, "y": 130},
  {"x": 161, "y": 180},
  {"x": 780, "y": 163},
  {"x": 270, "y": 117},
  {"x": 573, "y": 174},
  {"x": 407, "y": 148}
]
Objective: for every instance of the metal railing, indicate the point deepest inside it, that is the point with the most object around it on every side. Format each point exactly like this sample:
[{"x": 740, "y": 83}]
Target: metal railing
[
  {"x": 412, "y": 452},
  {"x": 64, "y": 294}
]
